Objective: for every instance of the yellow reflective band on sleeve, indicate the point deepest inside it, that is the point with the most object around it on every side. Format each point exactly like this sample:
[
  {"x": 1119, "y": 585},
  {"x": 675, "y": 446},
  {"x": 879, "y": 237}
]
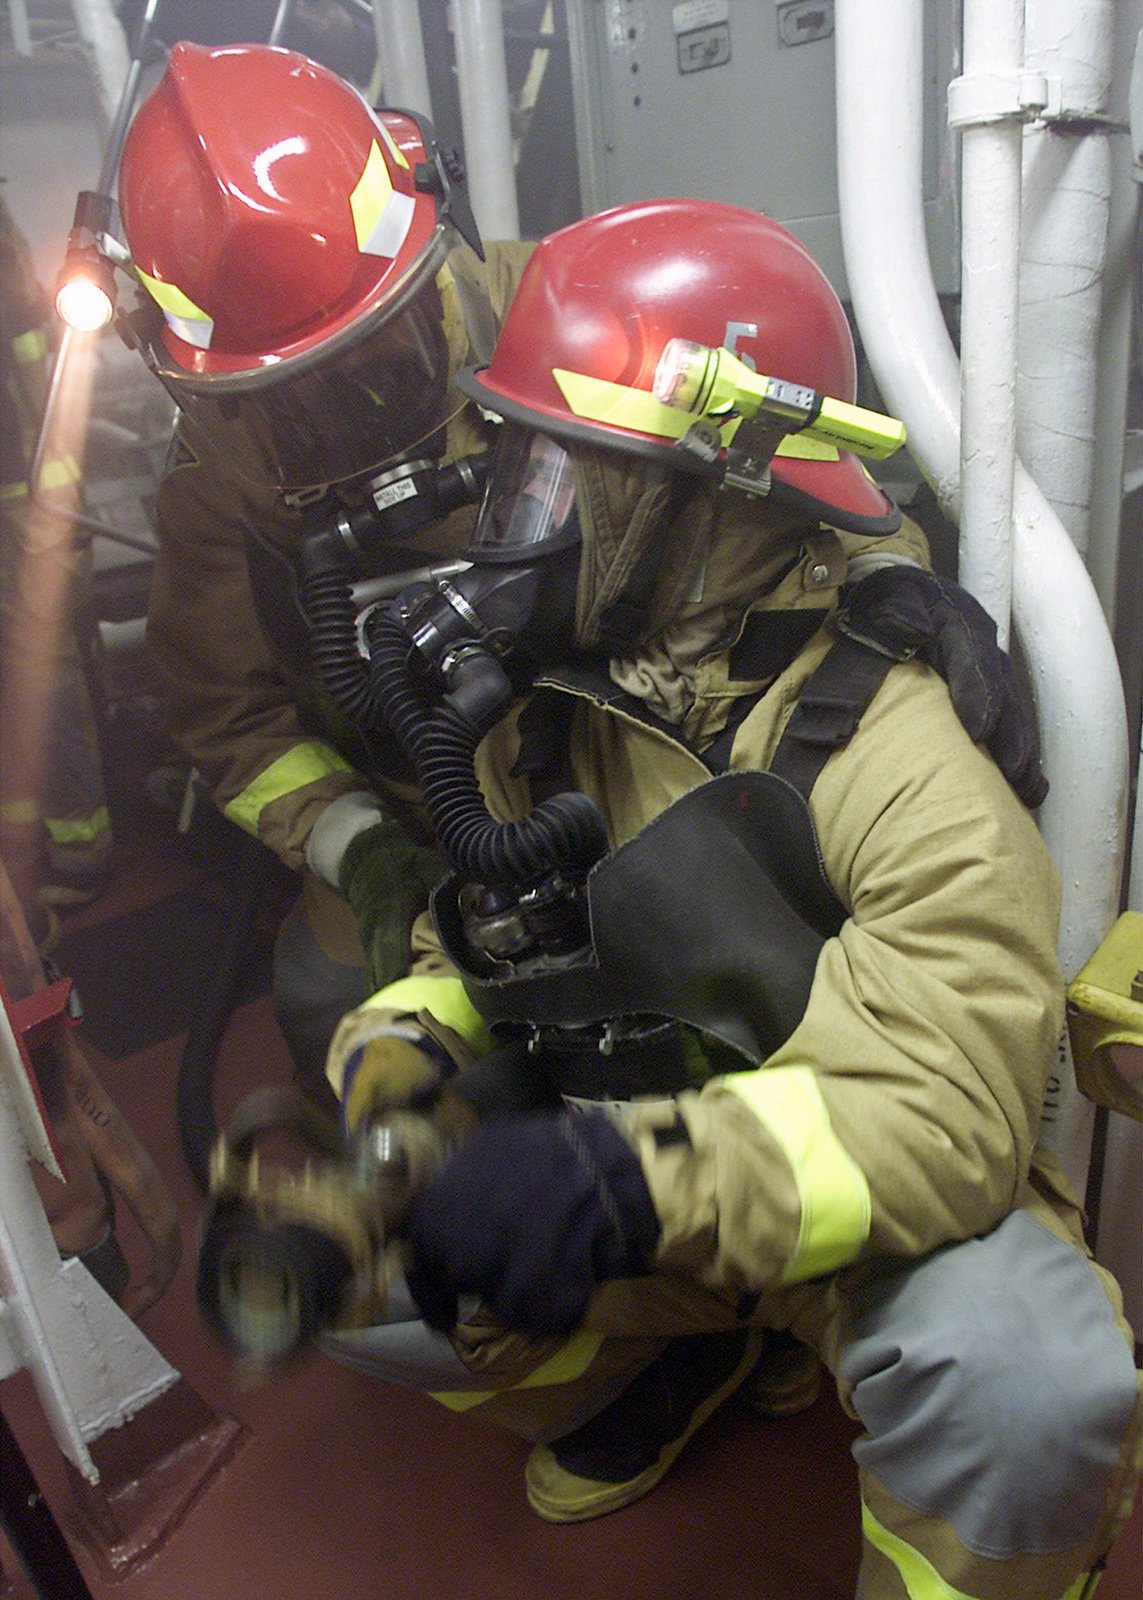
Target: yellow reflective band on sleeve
[
  {"x": 836, "y": 1206},
  {"x": 30, "y": 346},
  {"x": 381, "y": 216},
  {"x": 13, "y": 491},
  {"x": 442, "y": 998},
  {"x": 190, "y": 322},
  {"x": 305, "y": 763},
  {"x": 623, "y": 407},
  {"x": 59, "y": 472},
  {"x": 79, "y": 830},
  {"x": 15, "y": 812},
  {"x": 570, "y": 1362}
]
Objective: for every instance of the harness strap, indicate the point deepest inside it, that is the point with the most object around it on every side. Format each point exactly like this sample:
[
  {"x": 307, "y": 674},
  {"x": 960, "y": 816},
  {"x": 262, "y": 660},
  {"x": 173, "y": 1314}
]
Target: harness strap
[{"x": 828, "y": 711}]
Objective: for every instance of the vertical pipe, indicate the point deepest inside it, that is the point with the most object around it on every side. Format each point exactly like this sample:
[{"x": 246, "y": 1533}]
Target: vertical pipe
[
  {"x": 990, "y": 209},
  {"x": 1074, "y": 673},
  {"x": 482, "y": 76},
  {"x": 401, "y": 53},
  {"x": 1066, "y": 210},
  {"x": 101, "y": 35}
]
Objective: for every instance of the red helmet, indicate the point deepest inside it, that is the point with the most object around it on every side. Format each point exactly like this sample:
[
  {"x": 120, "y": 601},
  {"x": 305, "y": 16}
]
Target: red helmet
[
  {"x": 599, "y": 300},
  {"x": 291, "y": 238}
]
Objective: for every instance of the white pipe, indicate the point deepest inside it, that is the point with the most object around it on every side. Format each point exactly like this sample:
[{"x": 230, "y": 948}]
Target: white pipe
[
  {"x": 401, "y": 56},
  {"x": 1057, "y": 616},
  {"x": 482, "y": 75},
  {"x": 990, "y": 246},
  {"x": 104, "y": 43},
  {"x": 1066, "y": 209}
]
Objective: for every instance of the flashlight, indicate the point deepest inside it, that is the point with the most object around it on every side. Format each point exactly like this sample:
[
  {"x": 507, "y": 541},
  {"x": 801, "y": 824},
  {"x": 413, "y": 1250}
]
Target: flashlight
[
  {"x": 712, "y": 383},
  {"x": 85, "y": 289}
]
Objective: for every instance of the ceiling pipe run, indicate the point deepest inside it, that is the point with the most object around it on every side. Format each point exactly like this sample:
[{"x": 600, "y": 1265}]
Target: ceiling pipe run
[{"x": 1056, "y": 614}]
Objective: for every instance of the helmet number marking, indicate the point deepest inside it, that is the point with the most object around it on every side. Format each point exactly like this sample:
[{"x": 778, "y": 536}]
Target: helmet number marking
[{"x": 736, "y": 331}]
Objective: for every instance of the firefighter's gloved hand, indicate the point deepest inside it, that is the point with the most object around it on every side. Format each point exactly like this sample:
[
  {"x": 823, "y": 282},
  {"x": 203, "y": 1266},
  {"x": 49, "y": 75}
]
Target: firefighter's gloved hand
[
  {"x": 531, "y": 1213},
  {"x": 904, "y": 610},
  {"x": 356, "y": 847},
  {"x": 377, "y": 1063}
]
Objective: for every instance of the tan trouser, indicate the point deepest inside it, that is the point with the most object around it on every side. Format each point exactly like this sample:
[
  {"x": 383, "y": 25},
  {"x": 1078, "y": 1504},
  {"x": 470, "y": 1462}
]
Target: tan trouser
[{"x": 994, "y": 1379}]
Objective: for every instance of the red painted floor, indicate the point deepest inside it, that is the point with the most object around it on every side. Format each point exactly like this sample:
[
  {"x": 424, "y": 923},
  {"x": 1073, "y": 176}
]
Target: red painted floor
[{"x": 340, "y": 1488}]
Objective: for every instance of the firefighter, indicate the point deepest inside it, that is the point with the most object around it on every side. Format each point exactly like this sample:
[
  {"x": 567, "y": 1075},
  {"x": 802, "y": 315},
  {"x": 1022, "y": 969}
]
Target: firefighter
[
  {"x": 315, "y": 283},
  {"x": 55, "y": 829},
  {"x": 320, "y": 280},
  {"x": 743, "y": 992}
]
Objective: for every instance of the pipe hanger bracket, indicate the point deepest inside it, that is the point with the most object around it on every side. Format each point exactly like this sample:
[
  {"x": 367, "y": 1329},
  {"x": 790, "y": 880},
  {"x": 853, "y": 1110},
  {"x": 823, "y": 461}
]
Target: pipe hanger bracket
[{"x": 1004, "y": 96}]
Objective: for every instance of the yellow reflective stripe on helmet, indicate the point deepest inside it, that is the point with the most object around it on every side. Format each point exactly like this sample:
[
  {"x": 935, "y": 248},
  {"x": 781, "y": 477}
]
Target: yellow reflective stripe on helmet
[
  {"x": 801, "y": 447},
  {"x": 305, "y": 763},
  {"x": 79, "y": 830},
  {"x": 381, "y": 216},
  {"x": 596, "y": 400},
  {"x": 29, "y": 346},
  {"x": 836, "y": 1206},
  {"x": 391, "y": 144},
  {"x": 442, "y": 998},
  {"x": 190, "y": 322},
  {"x": 622, "y": 407},
  {"x": 570, "y": 1362}
]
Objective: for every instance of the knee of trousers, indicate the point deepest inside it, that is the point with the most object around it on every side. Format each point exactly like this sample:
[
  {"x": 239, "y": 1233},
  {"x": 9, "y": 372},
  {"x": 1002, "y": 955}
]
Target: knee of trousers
[
  {"x": 313, "y": 989},
  {"x": 996, "y": 1389}
]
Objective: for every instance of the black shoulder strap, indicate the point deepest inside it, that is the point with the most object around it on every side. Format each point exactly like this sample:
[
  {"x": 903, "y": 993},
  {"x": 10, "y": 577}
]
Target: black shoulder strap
[{"x": 828, "y": 711}]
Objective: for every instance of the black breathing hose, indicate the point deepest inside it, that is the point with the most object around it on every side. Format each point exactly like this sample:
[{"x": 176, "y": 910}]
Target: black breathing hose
[{"x": 565, "y": 833}]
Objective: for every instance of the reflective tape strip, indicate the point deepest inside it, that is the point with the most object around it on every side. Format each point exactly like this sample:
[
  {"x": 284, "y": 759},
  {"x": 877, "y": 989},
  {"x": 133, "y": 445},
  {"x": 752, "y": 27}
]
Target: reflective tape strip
[
  {"x": 801, "y": 447},
  {"x": 305, "y": 763},
  {"x": 391, "y": 144},
  {"x": 30, "y": 346},
  {"x": 13, "y": 491},
  {"x": 79, "y": 830},
  {"x": 19, "y": 811},
  {"x": 570, "y": 1362},
  {"x": 922, "y": 1580},
  {"x": 442, "y": 998},
  {"x": 59, "y": 472},
  {"x": 836, "y": 1206},
  {"x": 190, "y": 322},
  {"x": 381, "y": 216},
  {"x": 620, "y": 405},
  {"x": 624, "y": 407}
]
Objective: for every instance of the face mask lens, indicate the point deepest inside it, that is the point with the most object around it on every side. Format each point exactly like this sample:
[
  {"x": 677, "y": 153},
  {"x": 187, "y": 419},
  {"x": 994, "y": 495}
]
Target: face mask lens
[
  {"x": 340, "y": 412},
  {"x": 529, "y": 503}
]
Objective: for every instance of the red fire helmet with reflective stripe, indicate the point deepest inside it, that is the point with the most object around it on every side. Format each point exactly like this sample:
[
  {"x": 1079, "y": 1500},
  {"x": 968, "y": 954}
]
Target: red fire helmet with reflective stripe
[
  {"x": 602, "y": 297},
  {"x": 246, "y": 190},
  {"x": 292, "y": 238}
]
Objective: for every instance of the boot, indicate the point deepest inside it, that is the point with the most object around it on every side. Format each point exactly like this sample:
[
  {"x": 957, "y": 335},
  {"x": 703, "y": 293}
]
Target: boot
[
  {"x": 786, "y": 1379},
  {"x": 622, "y": 1452}
]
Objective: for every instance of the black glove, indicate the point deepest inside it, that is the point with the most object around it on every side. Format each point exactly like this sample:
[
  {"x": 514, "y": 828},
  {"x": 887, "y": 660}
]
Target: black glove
[
  {"x": 387, "y": 878},
  {"x": 531, "y": 1213},
  {"x": 904, "y": 611}
]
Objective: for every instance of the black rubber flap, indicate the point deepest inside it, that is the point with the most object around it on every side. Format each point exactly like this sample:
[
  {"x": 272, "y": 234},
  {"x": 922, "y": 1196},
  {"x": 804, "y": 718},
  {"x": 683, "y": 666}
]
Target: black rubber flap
[{"x": 714, "y": 915}]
